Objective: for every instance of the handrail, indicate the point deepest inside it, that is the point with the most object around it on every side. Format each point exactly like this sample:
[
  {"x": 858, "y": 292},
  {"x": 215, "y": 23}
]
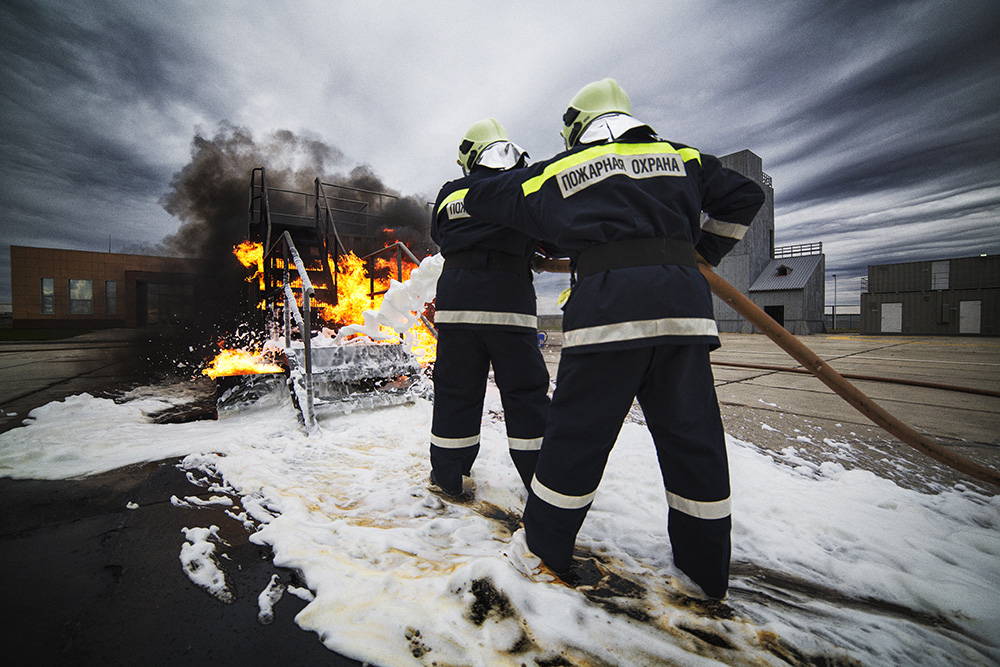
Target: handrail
[
  {"x": 801, "y": 250},
  {"x": 329, "y": 215},
  {"x": 328, "y": 225},
  {"x": 265, "y": 205},
  {"x": 368, "y": 192},
  {"x": 400, "y": 248},
  {"x": 290, "y": 256}
]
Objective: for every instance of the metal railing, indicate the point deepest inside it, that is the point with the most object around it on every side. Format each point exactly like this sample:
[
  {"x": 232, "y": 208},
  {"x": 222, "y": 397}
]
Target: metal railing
[
  {"x": 801, "y": 250},
  {"x": 303, "y": 318},
  {"x": 400, "y": 249},
  {"x": 263, "y": 208},
  {"x": 331, "y": 205}
]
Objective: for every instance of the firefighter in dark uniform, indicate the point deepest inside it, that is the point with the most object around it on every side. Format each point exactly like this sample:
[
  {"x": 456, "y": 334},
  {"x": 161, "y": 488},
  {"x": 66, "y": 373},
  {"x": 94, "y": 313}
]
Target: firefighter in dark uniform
[
  {"x": 626, "y": 207},
  {"x": 485, "y": 314}
]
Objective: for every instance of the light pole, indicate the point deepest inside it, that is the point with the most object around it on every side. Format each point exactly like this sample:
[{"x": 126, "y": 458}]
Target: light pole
[{"x": 835, "y": 302}]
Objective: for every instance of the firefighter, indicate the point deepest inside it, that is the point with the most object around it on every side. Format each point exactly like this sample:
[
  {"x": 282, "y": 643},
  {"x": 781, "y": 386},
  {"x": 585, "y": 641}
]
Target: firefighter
[
  {"x": 485, "y": 315},
  {"x": 625, "y": 206}
]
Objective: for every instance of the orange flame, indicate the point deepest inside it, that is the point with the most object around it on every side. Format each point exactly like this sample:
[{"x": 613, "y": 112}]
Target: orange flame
[
  {"x": 353, "y": 298},
  {"x": 251, "y": 255},
  {"x": 240, "y": 362},
  {"x": 423, "y": 344}
]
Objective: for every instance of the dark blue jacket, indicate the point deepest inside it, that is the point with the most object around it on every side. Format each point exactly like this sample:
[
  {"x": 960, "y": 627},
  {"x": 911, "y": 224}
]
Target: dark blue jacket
[
  {"x": 640, "y": 188},
  {"x": 481, "y": 297}
]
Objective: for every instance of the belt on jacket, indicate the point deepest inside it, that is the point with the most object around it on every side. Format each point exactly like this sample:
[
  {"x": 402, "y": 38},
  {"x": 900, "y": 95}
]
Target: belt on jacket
[
  {"x": 493, "y": 260},
  {"x": 634, "y": 252}
]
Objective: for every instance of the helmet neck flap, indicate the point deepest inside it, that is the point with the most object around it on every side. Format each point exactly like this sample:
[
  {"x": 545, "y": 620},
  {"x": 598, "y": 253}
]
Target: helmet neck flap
[{"x": 486, "y": 144}]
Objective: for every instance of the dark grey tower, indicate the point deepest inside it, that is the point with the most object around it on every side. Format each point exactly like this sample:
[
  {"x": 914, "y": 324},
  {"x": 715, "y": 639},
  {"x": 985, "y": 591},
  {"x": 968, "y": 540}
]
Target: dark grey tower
[{"x": 748, "y": 258}]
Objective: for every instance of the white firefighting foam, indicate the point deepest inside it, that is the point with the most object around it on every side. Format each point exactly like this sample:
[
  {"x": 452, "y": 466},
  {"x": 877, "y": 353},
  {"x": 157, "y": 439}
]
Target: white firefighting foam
[
  {"x": 400, "y": 308},
  {"x": 897, "y": 576}
]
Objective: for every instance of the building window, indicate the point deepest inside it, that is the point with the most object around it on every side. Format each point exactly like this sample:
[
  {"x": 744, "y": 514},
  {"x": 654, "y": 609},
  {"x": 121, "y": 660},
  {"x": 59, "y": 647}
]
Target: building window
[
  {"x": 168, "y": 303},
  {"x": 48, "y": 296},
  {"x": 81, "y": 297},
  {"x": 110, "y": 297},
  {"x": 939, "y": 275}
]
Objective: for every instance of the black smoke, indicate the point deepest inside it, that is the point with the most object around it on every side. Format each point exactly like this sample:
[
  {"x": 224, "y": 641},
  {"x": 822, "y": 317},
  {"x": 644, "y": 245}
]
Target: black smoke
[{"x": 211, "y": 196}]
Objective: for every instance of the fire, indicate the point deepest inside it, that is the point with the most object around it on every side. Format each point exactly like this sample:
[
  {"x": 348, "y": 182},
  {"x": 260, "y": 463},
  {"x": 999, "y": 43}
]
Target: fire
[
  {"x": 354, "y": 287},
  {"x": 423, "y": 344},
  {"x": 251, "y": 255},
  {"x": 353, "y": 298},
  {"x": 240, "y": 362}
]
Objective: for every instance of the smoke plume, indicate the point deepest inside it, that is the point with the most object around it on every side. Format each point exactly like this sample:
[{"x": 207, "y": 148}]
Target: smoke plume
[{"x": 210, "y": 195}]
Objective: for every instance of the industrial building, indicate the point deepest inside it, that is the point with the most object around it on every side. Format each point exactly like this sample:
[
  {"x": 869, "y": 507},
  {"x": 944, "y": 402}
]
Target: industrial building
[
  {"x": 71, "y": 288},
  {"x": 944, "y": 297},
  {"x": 788, "y": 283},
  {"x": 53, "y": 288}
]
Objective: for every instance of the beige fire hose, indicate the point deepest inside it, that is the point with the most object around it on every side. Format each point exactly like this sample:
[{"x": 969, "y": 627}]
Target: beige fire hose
[
  {"x": 831, "y": 378},
  {"x": 835, "y": 381}
]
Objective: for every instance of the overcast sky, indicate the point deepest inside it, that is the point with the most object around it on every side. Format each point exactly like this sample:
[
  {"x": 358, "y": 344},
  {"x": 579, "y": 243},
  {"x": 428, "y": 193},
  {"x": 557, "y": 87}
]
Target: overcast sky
[{"x": 876, "y": 120}]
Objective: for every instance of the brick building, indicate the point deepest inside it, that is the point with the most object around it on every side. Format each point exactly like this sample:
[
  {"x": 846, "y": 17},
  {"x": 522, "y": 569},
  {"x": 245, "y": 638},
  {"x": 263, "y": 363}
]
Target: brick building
[{"x": 74, "y": 288}]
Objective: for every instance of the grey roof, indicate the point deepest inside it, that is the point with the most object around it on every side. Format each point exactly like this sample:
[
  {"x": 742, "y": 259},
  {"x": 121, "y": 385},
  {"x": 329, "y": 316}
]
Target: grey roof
[{"x": 798, "y": 270}]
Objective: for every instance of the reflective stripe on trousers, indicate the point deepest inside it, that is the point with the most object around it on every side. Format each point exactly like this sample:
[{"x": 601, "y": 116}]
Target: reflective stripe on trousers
[{"x": 594, "y": 392}]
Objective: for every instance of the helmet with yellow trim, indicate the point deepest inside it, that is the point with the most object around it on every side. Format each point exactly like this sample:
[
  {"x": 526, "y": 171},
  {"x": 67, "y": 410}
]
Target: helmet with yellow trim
[
  {"x": 486, "y": 143},
  {"x": 594, "y": 100}
]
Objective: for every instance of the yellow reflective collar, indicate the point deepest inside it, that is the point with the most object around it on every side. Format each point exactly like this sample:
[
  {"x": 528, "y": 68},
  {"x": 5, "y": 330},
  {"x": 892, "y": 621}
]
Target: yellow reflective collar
[{"x": 570, "y": 161}]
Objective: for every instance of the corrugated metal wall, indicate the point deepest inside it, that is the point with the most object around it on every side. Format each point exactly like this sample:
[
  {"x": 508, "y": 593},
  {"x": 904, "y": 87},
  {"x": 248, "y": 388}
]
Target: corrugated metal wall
[{"x": 933, "y": 296}]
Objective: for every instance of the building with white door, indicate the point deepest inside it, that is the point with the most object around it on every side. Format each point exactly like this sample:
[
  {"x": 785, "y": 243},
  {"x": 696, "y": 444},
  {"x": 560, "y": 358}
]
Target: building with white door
[{"x": 945, "y": 297}]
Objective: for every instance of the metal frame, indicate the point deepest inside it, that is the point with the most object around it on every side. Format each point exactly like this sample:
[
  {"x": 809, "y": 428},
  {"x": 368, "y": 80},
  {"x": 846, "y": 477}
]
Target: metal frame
[
  {"x": 302, "y": 318},
  {"x": 325, "y": 207}
]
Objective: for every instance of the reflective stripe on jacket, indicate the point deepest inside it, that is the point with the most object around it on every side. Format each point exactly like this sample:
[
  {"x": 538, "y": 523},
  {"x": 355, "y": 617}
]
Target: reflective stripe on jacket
[
  {"x": 637, "y": 188},
  {"x": 479, "y": 297}
]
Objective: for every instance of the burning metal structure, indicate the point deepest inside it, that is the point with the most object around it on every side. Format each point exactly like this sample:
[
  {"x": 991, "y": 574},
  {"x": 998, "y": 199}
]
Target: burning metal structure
[{"x": 347, "y": 332}]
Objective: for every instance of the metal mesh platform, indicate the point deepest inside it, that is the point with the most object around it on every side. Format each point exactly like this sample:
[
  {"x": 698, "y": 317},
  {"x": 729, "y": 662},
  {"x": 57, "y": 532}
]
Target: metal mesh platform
[{"x": 352, "y": 377}]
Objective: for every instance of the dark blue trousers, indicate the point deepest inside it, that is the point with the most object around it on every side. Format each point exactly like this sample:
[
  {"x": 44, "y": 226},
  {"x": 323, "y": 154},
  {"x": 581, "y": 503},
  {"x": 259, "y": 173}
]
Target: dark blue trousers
[
  {"x": 593, "y": 394},
  {"x": 463, "y": 363}
]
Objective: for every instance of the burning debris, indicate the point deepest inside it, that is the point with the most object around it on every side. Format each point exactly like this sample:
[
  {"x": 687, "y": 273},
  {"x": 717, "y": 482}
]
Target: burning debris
[
  {"x": 240, "y": 362},
  {"x": 348, "y": 342},
  {"x": 209, "y": 196},
  {"x": 377, "y": 362},
  {"x": 338, "y": 226},
  {"x": 370, "y": 351}
]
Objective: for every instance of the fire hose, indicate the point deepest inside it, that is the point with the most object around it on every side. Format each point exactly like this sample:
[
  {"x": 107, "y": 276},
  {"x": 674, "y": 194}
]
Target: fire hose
[
  {"x": 843, "y": 388},
  {"x": 831, "y": 378}
]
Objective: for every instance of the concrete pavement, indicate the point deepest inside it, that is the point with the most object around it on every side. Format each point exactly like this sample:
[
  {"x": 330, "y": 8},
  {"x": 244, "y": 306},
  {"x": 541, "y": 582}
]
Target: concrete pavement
[
  {"x": 949, "y": 415},
  {"x": 93, "y": 583},
  {"x": 34, "y": 373},
  {"x": 776, "y": 410}
]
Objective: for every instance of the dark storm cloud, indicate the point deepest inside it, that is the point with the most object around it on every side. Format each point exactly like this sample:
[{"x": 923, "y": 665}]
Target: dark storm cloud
[
  {"x": 79, "y": 164},
  {"x": 876, "y": 120},
  {"x": 925, "y": 112},
  {"x": 881, "y": 123}
]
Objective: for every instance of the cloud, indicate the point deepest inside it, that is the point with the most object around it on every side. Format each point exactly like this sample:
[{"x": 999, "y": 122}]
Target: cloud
[{"x": 875, "y": 120}]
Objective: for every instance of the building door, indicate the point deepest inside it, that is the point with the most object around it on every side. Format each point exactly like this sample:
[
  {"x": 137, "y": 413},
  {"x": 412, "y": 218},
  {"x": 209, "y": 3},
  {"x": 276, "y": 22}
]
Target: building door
[
  {"x": 892, "y": 318},
  {"x": 777, "y": 313},
  {"x": 968, "y": 317}
]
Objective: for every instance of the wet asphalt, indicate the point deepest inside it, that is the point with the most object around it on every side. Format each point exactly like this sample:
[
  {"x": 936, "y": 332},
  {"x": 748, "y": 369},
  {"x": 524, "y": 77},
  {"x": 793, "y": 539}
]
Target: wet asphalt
[{"x": 88, "y": 581}]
